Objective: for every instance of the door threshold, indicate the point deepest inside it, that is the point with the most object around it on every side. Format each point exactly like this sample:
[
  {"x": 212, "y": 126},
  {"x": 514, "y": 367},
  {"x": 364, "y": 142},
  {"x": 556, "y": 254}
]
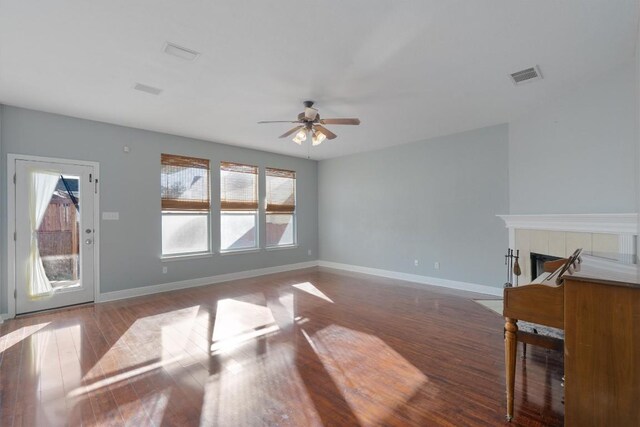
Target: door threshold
[{"x": 55, "y": 310}]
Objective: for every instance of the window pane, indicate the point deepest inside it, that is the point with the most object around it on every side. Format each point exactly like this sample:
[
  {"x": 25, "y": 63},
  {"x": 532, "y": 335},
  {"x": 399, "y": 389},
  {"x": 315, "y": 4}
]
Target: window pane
[
  {"x": 184, "y": 233},
  {"x": 59, "y": 233},
  {"x": 237, "y": 231},
  {"x": 280, "y": 229}
]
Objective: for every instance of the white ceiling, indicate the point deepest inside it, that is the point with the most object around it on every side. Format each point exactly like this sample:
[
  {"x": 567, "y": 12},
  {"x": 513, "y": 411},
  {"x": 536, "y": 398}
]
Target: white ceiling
[{"x": 409, "y": 69}]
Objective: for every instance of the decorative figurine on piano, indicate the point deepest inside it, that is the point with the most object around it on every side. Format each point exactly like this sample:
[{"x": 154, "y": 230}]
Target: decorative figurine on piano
[{"x": 513, "y": 267}]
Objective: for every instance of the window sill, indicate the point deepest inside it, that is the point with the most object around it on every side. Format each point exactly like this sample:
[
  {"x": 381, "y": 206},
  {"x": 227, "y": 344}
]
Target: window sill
[
  {"x": 240, "y": 251},
  {"x": 169, "y": 258},
  {"x": 281, "y": 248}
]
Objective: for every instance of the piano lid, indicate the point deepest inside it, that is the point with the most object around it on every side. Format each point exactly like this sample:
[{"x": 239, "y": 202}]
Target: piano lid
[{"x": 613, "y": 269}]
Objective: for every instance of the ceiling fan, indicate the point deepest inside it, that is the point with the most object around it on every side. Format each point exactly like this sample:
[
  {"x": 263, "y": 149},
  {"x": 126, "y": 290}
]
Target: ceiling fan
[{"x": 310, "y": 124}]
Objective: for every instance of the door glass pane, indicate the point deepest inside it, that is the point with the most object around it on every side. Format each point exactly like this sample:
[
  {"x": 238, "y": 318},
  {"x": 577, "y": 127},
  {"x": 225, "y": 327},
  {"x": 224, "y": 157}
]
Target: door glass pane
[{"x": 58, "y": 235}]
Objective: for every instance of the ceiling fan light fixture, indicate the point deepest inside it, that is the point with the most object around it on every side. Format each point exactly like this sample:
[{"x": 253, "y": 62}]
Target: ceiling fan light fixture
[
  {"x": 317, "y": 139},
  {"x": 300, "y": 137},
  {"x": 310, "y": 126}
]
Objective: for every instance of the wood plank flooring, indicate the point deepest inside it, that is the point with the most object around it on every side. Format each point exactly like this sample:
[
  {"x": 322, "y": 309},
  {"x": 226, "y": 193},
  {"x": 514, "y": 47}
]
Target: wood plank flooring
[{"x": 313, "y": 347}]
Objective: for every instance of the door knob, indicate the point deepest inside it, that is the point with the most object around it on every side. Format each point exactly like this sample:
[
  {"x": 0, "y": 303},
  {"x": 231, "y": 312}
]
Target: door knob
[{"x": 88, "y": 241}]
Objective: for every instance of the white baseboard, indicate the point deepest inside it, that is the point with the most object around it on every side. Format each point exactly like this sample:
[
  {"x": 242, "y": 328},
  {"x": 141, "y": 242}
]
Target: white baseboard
[
  {"x": 425, "y": 280},
  {"x": 184, "y": 284},
  {"x": 202, "y": 281}
]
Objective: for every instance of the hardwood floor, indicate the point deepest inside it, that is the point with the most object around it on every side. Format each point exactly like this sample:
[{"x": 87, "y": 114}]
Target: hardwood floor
[{"x": 313, "y": 347}]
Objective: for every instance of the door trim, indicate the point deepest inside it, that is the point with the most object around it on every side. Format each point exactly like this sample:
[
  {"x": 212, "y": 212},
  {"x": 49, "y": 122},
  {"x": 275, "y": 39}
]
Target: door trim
[{"x": 11, "y": 223}]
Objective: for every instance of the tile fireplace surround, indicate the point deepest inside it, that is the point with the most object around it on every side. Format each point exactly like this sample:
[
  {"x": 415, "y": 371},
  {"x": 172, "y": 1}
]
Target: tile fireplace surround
[{"x": 560, "y": 234}]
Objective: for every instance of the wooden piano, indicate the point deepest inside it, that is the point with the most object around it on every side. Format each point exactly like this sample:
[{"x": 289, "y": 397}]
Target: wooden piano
[{"x": 597, "y": 303}]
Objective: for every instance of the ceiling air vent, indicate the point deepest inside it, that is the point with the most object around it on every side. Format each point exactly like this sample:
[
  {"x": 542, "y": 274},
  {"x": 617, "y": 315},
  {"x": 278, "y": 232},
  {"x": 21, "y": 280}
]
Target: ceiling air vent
[
  {"x": 148, "y": 89},
  {"x": 525, "y": 76},
  {"x": 180, "y": 52}
]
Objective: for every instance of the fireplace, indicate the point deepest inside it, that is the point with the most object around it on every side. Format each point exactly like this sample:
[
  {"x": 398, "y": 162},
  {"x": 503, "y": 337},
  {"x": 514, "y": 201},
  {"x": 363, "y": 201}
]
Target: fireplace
[
  {"x": 537, "y": 263},
  {"x": 560, "y": 234}
]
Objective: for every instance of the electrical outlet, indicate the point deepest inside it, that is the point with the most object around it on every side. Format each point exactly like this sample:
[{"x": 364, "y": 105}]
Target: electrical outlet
[
  {"x": 309, "y": 252},
  {"x": 416, "y": 262},
  {"x": 436, "y": 265},
  {"x": 164, "y": 270}
]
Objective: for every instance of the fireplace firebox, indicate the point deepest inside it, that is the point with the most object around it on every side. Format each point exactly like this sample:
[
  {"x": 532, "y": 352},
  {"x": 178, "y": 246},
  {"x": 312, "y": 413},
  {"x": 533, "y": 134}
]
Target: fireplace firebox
[{"x": 537, "y": 263}]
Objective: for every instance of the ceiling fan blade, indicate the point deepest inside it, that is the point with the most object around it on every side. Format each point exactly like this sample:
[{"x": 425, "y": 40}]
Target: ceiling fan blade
[
  {"x": 291, "y": 131},
  {"x": 310, "y": 113},
  {"x": 325, "y": 131},
  {"x": 340, "y": 121},
  {"x": 278, "y": 121}
]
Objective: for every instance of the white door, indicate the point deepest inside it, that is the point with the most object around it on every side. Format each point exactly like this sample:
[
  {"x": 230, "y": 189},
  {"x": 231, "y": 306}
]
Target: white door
[{"x": 55, "y": 234}]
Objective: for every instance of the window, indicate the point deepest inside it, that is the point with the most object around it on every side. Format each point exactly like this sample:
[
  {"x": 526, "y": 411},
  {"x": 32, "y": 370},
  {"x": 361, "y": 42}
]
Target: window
[
  {"x": 281, "y": 206},
  {"x": 238, "y": 207},
  {"x": 185, "y": 205}
]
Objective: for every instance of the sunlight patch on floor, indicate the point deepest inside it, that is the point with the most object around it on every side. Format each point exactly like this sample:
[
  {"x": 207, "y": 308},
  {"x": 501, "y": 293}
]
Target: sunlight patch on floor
[
  {"x": 237, "y": 340},
  {"x": 245, "y": 397},
  {"x": 13, "y": 338},
  {"x": 43, "y": 352},
  {"x": 157, "y": 329},
  {"x": 175, "y": 334},
  {"x": 287, "y": 301},
  {"x": 234, "y": 317},
  {"x": 360, "y": 379},
  {"x": 158, "y": 405},
  {"x": 237, "y": 322},
  {"x": 312, "y": 290},
  {"x": 495, "y": 305},
  {"x": 123, "y": 376}
]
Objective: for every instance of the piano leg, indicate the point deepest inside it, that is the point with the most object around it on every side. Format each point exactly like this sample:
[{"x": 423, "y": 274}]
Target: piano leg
[{"x": 510, "y": 341}]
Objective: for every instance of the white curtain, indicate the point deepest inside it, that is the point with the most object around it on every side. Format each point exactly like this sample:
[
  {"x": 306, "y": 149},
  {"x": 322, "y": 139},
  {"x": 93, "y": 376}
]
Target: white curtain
[{"x": 40, "y": 192}]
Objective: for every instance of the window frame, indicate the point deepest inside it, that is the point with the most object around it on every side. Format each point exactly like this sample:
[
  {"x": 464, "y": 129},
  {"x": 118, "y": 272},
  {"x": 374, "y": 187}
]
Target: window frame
[
  {"x": 192, "y": 254},
  {"x": 230, "y": 212},
  {"x": 177, "y": 212},
  {"x": 295, "y": 234},
  {"x": 293, "y": 213},
  {"x": 254, "y": 248}
]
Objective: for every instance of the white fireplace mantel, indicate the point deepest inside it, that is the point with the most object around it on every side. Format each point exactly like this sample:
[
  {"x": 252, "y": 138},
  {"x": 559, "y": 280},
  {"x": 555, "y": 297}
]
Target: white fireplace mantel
[{"x": 625, "y": 225}]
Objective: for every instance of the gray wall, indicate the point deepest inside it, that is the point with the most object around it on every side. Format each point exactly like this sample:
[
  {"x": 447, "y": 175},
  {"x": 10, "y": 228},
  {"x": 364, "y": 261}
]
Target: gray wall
[
  {"x": 130, "y": 184},
  {"x": 434, "y": 200},
  {"x": 577, "y": 154}
]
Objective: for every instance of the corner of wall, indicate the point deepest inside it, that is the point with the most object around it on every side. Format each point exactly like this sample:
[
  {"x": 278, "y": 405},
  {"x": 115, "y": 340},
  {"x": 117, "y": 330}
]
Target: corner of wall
[
  {"x": 508, "y": 167},
  {"x": 3, "y": 207},
  {"x": 637, "y": 136}
]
